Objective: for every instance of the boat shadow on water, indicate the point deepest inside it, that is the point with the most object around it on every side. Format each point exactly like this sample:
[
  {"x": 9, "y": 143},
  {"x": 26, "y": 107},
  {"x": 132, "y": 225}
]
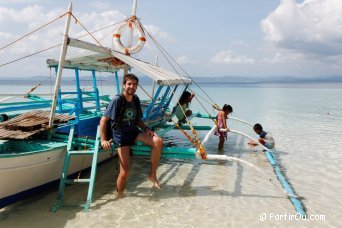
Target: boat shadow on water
[{"x": 179, "y": 179}]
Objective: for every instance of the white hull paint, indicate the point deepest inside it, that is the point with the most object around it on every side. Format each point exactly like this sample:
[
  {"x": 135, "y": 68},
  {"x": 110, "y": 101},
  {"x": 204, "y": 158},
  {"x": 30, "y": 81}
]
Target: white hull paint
[{"x": 21, "y": 173}]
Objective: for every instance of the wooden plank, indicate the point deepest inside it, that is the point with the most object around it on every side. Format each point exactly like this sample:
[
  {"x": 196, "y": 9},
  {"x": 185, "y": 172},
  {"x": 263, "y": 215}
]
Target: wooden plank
[{"x": 28, "y": 124}]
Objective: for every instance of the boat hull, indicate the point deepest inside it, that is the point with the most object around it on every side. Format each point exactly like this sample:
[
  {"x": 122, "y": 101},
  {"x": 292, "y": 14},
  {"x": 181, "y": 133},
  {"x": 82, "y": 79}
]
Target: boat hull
[{"x": 22, "y": 174}]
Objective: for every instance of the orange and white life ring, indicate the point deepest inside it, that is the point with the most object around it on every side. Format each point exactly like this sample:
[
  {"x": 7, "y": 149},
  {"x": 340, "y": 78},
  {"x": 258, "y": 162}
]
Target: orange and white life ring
[{"x": 132, "y": 24}]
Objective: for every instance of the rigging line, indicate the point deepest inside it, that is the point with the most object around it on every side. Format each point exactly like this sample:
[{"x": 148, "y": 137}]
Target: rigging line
[
  {"x": 46, "y": 49},
  {"x": 105, "y": 36},
  {"x": 78, "y": 21},
  {"x": 39, "y": 84},
  {"x": 167, "y": 59},
  {"x": 204, "y": 108},
  {"x": 110, "y": 54},
  {"x": 203, "y": 154},
  {"x": 163, "y": 51},
  {"x": 146, "y": 92},
  {"x": 202, "y": 98},
  {"x": 169, "y": 56},
  {"x": 197, "y": 144},
  {"x": 186, "y": 134},
  {"x": 108, "y": 26},
  {"x": 181, "y": 108},
  {"x": 7, "y": 45},
  {"x": 183, "y": 111}
]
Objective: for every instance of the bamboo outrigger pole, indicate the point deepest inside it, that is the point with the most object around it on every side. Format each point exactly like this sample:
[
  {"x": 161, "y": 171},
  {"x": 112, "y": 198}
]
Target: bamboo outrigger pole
[{"x": 60, "y": 66}]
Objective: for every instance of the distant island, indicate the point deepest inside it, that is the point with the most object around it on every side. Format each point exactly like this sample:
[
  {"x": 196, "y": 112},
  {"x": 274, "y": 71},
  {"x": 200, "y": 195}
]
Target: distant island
[{"x": 201, "y": 80}]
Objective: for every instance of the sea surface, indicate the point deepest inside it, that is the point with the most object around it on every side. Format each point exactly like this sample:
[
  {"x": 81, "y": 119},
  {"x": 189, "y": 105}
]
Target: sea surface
[{"x": 306, "y": 122}]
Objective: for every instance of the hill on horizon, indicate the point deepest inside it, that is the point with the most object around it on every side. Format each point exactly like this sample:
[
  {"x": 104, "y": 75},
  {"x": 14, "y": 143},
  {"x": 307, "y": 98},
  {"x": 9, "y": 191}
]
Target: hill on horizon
[{"x": 227, "y": 79}]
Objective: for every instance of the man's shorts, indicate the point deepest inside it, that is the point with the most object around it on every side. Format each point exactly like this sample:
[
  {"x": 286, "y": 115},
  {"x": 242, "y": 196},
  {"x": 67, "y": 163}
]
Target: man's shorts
[{"x": 125, "y": 138}]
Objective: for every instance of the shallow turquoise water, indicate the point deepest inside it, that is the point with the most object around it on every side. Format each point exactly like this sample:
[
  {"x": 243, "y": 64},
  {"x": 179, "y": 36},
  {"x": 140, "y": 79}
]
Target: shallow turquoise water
[{"x": 306, "y": 122}]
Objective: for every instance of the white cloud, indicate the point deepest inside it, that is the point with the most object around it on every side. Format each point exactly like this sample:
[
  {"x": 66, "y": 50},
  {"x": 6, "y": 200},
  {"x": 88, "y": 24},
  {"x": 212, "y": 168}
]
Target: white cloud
[
  {"x": 19, "y": 1},
  {"x": 5, "y": 35},
  {"x": 182, "y": 60},
  {"x": 312, "y": 27},
  {"x": 16, "y": 22},
  {"x": 158, "y": 34},
  {"x": 100, "y": 5},
  {"x": 226, "y": 57},
  {"x": 284, "y": 57}
]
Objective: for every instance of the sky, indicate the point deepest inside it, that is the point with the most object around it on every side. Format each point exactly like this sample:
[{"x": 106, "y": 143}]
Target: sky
[{"x": 300, "y": 38}]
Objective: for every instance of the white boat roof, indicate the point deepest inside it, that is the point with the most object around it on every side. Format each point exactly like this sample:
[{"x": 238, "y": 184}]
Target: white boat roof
[{"x": 107, "y": 60}]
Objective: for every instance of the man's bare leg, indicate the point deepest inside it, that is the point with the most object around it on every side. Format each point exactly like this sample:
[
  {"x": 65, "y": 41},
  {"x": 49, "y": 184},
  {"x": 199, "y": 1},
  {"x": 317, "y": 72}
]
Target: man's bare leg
[
  {"x": 124, "y": 156},
  {"x": 156, "y": 143}
]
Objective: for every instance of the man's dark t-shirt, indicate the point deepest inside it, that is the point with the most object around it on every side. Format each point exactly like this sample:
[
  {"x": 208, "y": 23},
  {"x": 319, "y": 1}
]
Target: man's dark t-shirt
[{"x": 126, "y": 130}]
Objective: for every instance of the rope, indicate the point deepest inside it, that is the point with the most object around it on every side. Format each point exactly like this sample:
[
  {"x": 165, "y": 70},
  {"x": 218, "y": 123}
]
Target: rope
[
  {"x": 28, "y": 34},
  {"x": 186, "y": 135},
  {"x": 39, "y": 84},
  {"x": 77, "y": 21},
  {"x": 163, "y": 50},
  {"x": 108, "y": 26},
  {"x": 51, "y": 46},
  {"x": 200, "y": 148},
  {"x": 145, "y": 92},
  {"x": 167, "y": 57},
  {"x": 98, "y": 42},
  {"x": 29, "y": 55},
  {"x": 197, "y": 144}
]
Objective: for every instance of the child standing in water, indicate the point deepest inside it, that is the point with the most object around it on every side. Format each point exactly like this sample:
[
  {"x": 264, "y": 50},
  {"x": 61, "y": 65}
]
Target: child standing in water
[{"x": 222, "y": 125}]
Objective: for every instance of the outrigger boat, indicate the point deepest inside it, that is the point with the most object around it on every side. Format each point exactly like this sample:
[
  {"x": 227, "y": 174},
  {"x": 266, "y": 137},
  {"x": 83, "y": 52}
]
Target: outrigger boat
[{"x": 36, "y": 143}]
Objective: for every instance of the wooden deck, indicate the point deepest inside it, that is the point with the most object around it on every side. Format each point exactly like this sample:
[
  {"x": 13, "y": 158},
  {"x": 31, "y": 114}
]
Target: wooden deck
[{"x": 30, "y": 123}]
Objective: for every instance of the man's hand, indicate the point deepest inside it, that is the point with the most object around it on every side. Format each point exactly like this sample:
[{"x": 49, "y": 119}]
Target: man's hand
[{"x": 106, "y": 144}]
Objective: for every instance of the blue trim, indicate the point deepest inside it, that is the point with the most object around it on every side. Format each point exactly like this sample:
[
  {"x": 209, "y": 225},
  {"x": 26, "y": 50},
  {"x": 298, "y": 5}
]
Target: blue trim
[
  {"x": 186, "y": 87},
  {"x": 286, "y": 185},
  {"x": 148, "y": 109},
  {"x": 172, "y": 94},
  {"x": 85, "y": 127},
  {"x": 96, "y": 91},
  {"x": 117, "y": 83},
  {"x": 26, "y": 194},
  {"x": 164, "y": 97},
  {"x": 78, "y": 89},
  {"x": 24, "y": 107},
  {"x": 59, "y": 95}
]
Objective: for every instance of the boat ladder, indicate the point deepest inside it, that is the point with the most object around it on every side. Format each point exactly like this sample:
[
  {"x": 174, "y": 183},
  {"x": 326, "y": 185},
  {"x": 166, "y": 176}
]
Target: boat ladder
[{"x": 91, "y": 180}]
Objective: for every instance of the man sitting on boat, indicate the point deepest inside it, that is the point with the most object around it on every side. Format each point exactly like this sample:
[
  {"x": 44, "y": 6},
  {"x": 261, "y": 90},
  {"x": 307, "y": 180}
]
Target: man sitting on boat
[
  {"x": 265, "y": 138},
  {"x": 124, "y": 113},
  {"x": 182, "y": 108}
]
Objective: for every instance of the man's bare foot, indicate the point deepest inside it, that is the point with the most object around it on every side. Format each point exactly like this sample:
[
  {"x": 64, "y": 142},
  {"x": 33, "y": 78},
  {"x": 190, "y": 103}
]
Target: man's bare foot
[
  {"x": 119, "y": 195},
  {"x": 155, "y": 182}
]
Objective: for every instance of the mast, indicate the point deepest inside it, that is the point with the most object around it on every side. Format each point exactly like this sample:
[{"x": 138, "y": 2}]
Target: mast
[
  {"x": 133, "y": 17},
  {"x": 60, "y": 66},
  {"x": 134, "y": 9},
  {"x": 131, "y": 30}
]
